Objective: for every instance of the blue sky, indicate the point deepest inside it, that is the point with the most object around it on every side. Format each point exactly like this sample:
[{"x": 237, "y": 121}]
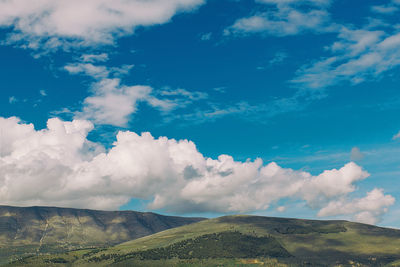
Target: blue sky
[{"x": 310, "y": 87}]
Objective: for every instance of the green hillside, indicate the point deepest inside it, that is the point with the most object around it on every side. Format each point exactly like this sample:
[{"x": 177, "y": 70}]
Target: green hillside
[
  {"x": 24, "y": 231},
  {"x": 247, "y": 241}
]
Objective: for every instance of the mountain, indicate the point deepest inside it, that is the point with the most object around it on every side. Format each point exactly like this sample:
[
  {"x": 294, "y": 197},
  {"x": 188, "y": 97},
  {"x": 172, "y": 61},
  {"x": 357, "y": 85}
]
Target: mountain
[
  {"x": 51, "y": 229},
  {"x": 246, "y": 241}
]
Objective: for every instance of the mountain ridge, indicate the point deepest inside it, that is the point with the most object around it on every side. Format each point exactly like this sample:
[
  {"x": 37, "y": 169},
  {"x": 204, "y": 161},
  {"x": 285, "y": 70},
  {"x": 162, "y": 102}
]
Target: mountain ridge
[
  {"x": 38, "y": 236},
  {"x": 41, "y": 229}
]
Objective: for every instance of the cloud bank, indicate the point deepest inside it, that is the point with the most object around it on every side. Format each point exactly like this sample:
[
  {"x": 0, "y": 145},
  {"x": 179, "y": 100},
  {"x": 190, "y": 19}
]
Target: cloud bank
[
  {"x": 60, "y": 166},
  {"x": 368, "y": 209}
]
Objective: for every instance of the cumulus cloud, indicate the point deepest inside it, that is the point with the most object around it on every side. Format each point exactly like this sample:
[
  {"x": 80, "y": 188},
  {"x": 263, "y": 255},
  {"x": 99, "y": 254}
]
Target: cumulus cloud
[
  {"x": 285, "y": 18},
  {"x": 113, "y": 103},
  {"x": 367, "y": 210},
  {"x": 48, "y": 24},
  {"x": 60, "y": 166},
  {"x": 110, "y": 101}
]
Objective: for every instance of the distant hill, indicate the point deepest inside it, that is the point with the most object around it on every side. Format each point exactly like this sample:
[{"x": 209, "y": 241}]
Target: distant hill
[
  {"x": 247, "y": 240},
  {"x": 243, "y": 241},
  {"x": 45, "y": 229}
]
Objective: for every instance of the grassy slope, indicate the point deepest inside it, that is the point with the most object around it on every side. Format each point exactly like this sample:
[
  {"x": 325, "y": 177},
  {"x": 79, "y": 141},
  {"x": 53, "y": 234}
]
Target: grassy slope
[
  {"x": 49, "y": 229},
  {"x": 300, "y": 235},
  {"x": 315, "y": 241}
]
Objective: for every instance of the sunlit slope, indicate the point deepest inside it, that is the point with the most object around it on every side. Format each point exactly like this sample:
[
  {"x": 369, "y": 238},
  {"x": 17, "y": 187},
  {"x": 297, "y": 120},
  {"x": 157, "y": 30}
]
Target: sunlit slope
[{"x": 305, "y": 240}]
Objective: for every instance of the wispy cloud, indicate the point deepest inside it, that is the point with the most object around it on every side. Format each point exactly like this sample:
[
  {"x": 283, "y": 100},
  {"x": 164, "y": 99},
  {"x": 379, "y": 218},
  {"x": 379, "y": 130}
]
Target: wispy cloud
[
  {"x": 93, "y": 58},
  {"x": 12, "y": 100},
  {"x": 285, "y": 18},
  {"x": 386, "y": 9},
  {"x": 206, "y": 36},
  {"x": 112, "y": 102},
  {"x": 88, "y": 69},
  {"x": 258, "y": 112},
  {"x": 278, "y": 58},
  {"x": 358, "y": 55}
]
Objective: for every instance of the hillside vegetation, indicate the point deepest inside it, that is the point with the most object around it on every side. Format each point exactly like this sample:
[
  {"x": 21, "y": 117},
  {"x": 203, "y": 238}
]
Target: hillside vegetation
[
  {"x": 46, "y": 229},
  {"x": 246, "y": 241}
]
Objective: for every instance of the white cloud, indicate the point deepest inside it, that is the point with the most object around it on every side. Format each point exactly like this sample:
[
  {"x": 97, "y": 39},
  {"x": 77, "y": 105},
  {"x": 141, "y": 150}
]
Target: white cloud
[
  {"x": 206, "y": 36},
  {"x": 49, "y": 24},
  {"x": 112, "y": 102},
  {"x": 93, "y": 58},
  {"x": 385, "y": 9},
  {"x": 367, "y": 210},
  {"x": 88, "y": 69},
  {"x": 42, "y": 93},
  {"x": 358, "y": 55},
  {"x": 59, "y": 166},
  {"x": 278, "y": 58},
  {"x": 287, "y": 22},
  {"x": 356, "y": 154},
  {"x": 287, "y": 18}
]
